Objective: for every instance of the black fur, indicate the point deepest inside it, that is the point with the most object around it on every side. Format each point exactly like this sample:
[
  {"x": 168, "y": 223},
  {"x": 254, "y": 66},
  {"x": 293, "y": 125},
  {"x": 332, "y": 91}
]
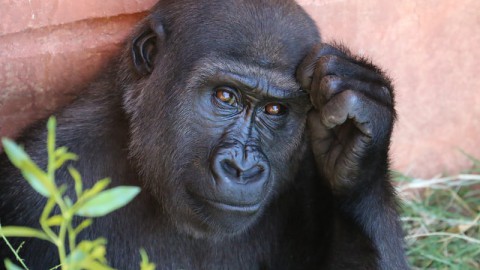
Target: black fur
[{"x": 154, "y": 120}]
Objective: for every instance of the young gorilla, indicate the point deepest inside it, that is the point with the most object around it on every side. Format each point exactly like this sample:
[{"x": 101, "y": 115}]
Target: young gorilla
[{"x": 209, "y": 110}]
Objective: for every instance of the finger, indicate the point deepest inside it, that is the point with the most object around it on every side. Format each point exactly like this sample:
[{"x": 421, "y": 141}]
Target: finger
[
  {"x": 347, "y": 164},
  {"x": 320, "y": 135},
  {"x": 324, "y": 142},
  {"x": 307, "y": 67},
  {"x": 372, "y": 119},
  {"x": 331, "y": 85},
  {"x": 339, "y": 66}
]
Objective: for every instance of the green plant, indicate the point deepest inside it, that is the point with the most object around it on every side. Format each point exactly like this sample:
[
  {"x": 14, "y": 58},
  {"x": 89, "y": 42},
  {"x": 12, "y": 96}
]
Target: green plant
[
  {"x": 442, "y": 219},
  {"x": 58, "y": 228}
]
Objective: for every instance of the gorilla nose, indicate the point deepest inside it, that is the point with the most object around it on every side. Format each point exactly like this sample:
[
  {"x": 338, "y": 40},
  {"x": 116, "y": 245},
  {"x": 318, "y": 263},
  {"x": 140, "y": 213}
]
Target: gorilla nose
[{"x": 241, "y": 172}]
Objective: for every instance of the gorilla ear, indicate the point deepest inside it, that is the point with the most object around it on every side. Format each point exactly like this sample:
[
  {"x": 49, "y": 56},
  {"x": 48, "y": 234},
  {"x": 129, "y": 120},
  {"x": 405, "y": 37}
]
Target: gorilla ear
[{"x": 145, "y": 48}]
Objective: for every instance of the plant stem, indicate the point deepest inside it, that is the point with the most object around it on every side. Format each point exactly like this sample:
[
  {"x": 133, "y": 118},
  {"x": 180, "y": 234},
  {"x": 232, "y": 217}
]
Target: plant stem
[
  {"x": 43, "y": 220},
  {"x": 61, "y": 244},
  {"x": 14, "y": 251},
  {"x": 71, "y": 237}
]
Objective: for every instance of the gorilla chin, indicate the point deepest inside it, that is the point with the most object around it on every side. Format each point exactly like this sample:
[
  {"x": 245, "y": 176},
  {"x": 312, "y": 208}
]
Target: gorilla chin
[
  {"x": 215, "y": 220},
  {"x": 212, "y": 215}
]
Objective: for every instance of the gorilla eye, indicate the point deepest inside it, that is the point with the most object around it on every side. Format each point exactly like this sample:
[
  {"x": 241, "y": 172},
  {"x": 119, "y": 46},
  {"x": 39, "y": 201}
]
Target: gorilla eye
[
  {"x": 226, "y": 96},
  {"x": 275, "y": 109}
]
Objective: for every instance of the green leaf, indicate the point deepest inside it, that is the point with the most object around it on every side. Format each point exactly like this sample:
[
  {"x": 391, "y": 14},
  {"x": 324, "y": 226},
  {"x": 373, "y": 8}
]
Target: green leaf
[
  {"x": 82, "y": 226},
  {"x": 98, "y": 253},
  {"x": 34, "y": 175},
  {"x": 14, "y": 152},
  {"x": 88, "y": 245},
  {"x": 51, "y": 124},
  {"x": 108, "y": 201},
  {"x": 17, "y": 231},
  {"x": 89, "y": 255},
  {"x": 60, "y": 151},
  {"x": 89, "y": 193},
  {"x": 11, "y": 266},
  {"x": 55, "y": 221},
  {"x": 76, "y": 257},
  {"x": 34, "y": 179},
  {"x": 68, "y": 201},
  {"x": 145, "y": 264},
  {"x": 47, "y": 209},
  {"x": 64, "y": 158},
  {"x": 94, "y": 265},
  {"x": 99, "y": 186},
  {"x": 78, "y": 180},
  {"x": 62, "y": 189}
]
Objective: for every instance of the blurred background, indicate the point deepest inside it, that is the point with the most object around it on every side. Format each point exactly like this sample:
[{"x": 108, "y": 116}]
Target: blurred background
[{"x": 50, "y": 49}]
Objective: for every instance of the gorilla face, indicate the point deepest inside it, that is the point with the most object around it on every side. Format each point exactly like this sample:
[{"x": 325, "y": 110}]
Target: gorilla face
[
  {"x": 248, "y": 123},
  {"x": 218, "y": 124}
]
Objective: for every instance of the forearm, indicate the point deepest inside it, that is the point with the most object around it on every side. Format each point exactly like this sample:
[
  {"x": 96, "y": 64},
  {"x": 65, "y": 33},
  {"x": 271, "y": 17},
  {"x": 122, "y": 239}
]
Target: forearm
[{"x": 374, "y": 210}]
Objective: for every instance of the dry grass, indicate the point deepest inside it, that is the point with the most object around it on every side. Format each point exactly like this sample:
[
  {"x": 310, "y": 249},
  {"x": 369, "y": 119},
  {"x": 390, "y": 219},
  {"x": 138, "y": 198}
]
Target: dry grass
[{"x": 441, "y": 217}]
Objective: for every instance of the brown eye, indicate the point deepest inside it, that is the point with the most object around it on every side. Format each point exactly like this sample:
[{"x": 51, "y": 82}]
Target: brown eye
[
  {"x": 275, "y": 109},
  {"x": 225, "y": 96}
]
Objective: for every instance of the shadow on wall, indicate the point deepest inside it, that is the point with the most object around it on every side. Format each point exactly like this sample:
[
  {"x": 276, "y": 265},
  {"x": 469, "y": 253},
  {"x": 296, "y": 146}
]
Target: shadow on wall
[{"x": 50, "y": 49}]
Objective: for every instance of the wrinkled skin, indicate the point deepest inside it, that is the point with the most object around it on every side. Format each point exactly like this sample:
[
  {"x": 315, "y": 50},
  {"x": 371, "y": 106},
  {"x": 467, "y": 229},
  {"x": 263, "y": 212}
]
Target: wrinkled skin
[
  {"x": 256, "y": 146},
  {"x": 353, "y": 113}
]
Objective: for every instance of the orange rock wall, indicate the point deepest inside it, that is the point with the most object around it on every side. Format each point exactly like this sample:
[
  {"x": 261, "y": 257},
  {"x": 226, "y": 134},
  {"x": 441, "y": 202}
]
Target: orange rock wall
[{"x": 49, "y": 50}]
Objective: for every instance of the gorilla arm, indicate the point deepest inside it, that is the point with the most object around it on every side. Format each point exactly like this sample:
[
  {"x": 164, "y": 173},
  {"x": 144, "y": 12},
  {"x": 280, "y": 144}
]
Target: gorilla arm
[{"x": 349, "y": 129}]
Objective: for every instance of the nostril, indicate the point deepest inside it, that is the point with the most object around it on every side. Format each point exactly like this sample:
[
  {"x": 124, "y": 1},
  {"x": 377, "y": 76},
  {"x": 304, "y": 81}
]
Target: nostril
[
  {"x": 230, "y": 168},
  {"x": 253, "y": 172}
]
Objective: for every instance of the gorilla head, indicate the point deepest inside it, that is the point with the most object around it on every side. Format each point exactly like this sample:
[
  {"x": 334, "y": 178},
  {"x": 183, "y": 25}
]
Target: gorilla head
[{"x": 217, "y": 123}]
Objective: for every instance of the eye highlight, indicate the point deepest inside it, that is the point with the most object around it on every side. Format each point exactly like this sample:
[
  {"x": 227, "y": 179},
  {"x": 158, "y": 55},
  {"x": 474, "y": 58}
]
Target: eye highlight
[
  {"x": 226, "y": 95},
  {"x": 275, "y": 109}
]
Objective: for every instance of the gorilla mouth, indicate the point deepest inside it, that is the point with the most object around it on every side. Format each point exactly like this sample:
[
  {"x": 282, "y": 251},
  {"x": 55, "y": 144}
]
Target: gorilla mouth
[
  {"x": 247, "y": 209},
  {"x": 215, "y": 216},
  {"x": 228, "y": 207}
]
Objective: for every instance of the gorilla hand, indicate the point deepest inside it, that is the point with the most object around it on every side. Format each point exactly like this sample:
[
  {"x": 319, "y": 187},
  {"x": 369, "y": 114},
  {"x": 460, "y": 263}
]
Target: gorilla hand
[{"x": 351, "y": 122}]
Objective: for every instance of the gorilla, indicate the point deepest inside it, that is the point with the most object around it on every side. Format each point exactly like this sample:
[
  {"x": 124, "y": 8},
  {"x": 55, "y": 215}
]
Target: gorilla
[{"x": 256, "y": 145}]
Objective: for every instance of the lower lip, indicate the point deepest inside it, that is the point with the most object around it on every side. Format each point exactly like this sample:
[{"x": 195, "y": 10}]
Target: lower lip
[
  {"x": 235, "y": 208},
  {"x": 249, "y": 209}
]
